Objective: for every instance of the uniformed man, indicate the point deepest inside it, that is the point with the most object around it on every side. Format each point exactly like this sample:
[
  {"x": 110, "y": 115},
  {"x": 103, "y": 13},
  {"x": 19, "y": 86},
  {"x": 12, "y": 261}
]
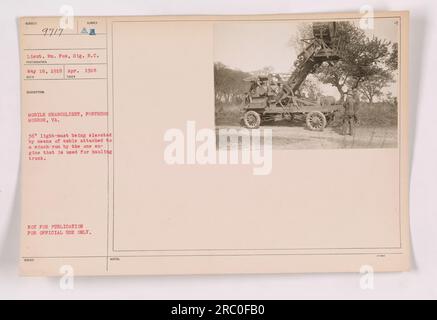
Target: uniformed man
[
  {"x": 351, "y": 106},
  {"x": 261, "y": 87}
]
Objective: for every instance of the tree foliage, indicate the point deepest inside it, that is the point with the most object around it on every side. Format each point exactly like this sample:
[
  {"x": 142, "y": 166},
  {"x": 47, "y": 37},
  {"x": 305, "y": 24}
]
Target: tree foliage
[
  {"x": 228, "y": 81},
  {"x": 372, "y": 86},
  {"x": 363, "y": 60},
  {"x": 392, "y": 61},
  {"x": 311, "y": 88}
]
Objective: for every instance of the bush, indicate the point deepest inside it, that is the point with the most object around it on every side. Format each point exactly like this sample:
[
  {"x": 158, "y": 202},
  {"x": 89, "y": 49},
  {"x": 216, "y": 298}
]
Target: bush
[
  {"x": 378, "y": 114},
  {"x": 227, "y": 114}
]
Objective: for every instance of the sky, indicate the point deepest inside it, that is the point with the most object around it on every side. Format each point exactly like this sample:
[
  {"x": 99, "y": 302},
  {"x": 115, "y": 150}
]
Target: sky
[{"x": 251, "y": 46}]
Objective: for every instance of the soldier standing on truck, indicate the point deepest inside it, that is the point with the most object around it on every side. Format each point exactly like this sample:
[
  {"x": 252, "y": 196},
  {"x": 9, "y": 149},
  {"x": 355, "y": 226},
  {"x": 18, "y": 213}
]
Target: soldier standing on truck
[{"x": 351, "y": 106}]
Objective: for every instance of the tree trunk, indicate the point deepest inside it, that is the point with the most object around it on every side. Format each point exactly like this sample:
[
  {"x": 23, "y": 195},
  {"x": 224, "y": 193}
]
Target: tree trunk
[{"x": 340, "y": 90}]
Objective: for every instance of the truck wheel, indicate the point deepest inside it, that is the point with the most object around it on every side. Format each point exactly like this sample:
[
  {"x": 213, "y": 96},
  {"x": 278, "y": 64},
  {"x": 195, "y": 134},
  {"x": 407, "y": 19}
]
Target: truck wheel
[
  {"x": 252, "y": 119},
  {"x": 316, "y": 121}
]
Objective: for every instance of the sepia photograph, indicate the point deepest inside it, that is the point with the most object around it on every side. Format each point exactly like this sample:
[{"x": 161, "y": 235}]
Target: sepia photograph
[{"x": 315, "y": 84}]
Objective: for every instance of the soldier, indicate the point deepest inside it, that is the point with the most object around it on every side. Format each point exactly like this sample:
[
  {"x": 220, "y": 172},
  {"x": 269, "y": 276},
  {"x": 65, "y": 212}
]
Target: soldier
[
  {"x": 261, "y": 87},
  {"x": 351, "y": 106},
  {"x": 273, "y": 83}
]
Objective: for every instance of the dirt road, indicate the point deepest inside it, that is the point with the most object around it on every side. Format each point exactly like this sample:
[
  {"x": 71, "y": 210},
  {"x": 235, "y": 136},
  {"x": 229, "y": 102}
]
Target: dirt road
[{"x": 298, "y": 137}]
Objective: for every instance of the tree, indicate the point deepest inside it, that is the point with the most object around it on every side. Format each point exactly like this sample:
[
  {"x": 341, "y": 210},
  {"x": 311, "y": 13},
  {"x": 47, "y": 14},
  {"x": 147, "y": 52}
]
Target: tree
[
  {"x": 372, "y": 86},
  {"x": 361, "y": 59},
  {"x": 336, "y": 75},
  {"x": 311, "y": 88},
  {"x": 392, "y": 61},
  {"x": 304, "y": 31},
  {"x": 229, "y": 81}
]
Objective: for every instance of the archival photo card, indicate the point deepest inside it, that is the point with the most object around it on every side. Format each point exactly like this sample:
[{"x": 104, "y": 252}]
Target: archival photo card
[{"x": 158, "y": 145}]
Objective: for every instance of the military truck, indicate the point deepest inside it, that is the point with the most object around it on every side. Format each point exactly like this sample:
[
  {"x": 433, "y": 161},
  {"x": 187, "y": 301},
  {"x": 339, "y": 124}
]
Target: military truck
[{"x": 271, "y": 98}]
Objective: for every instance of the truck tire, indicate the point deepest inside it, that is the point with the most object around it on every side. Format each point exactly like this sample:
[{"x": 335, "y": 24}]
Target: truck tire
[
  {"x": 316, "y": 121},
  {"x": 252, "y": 119}
]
